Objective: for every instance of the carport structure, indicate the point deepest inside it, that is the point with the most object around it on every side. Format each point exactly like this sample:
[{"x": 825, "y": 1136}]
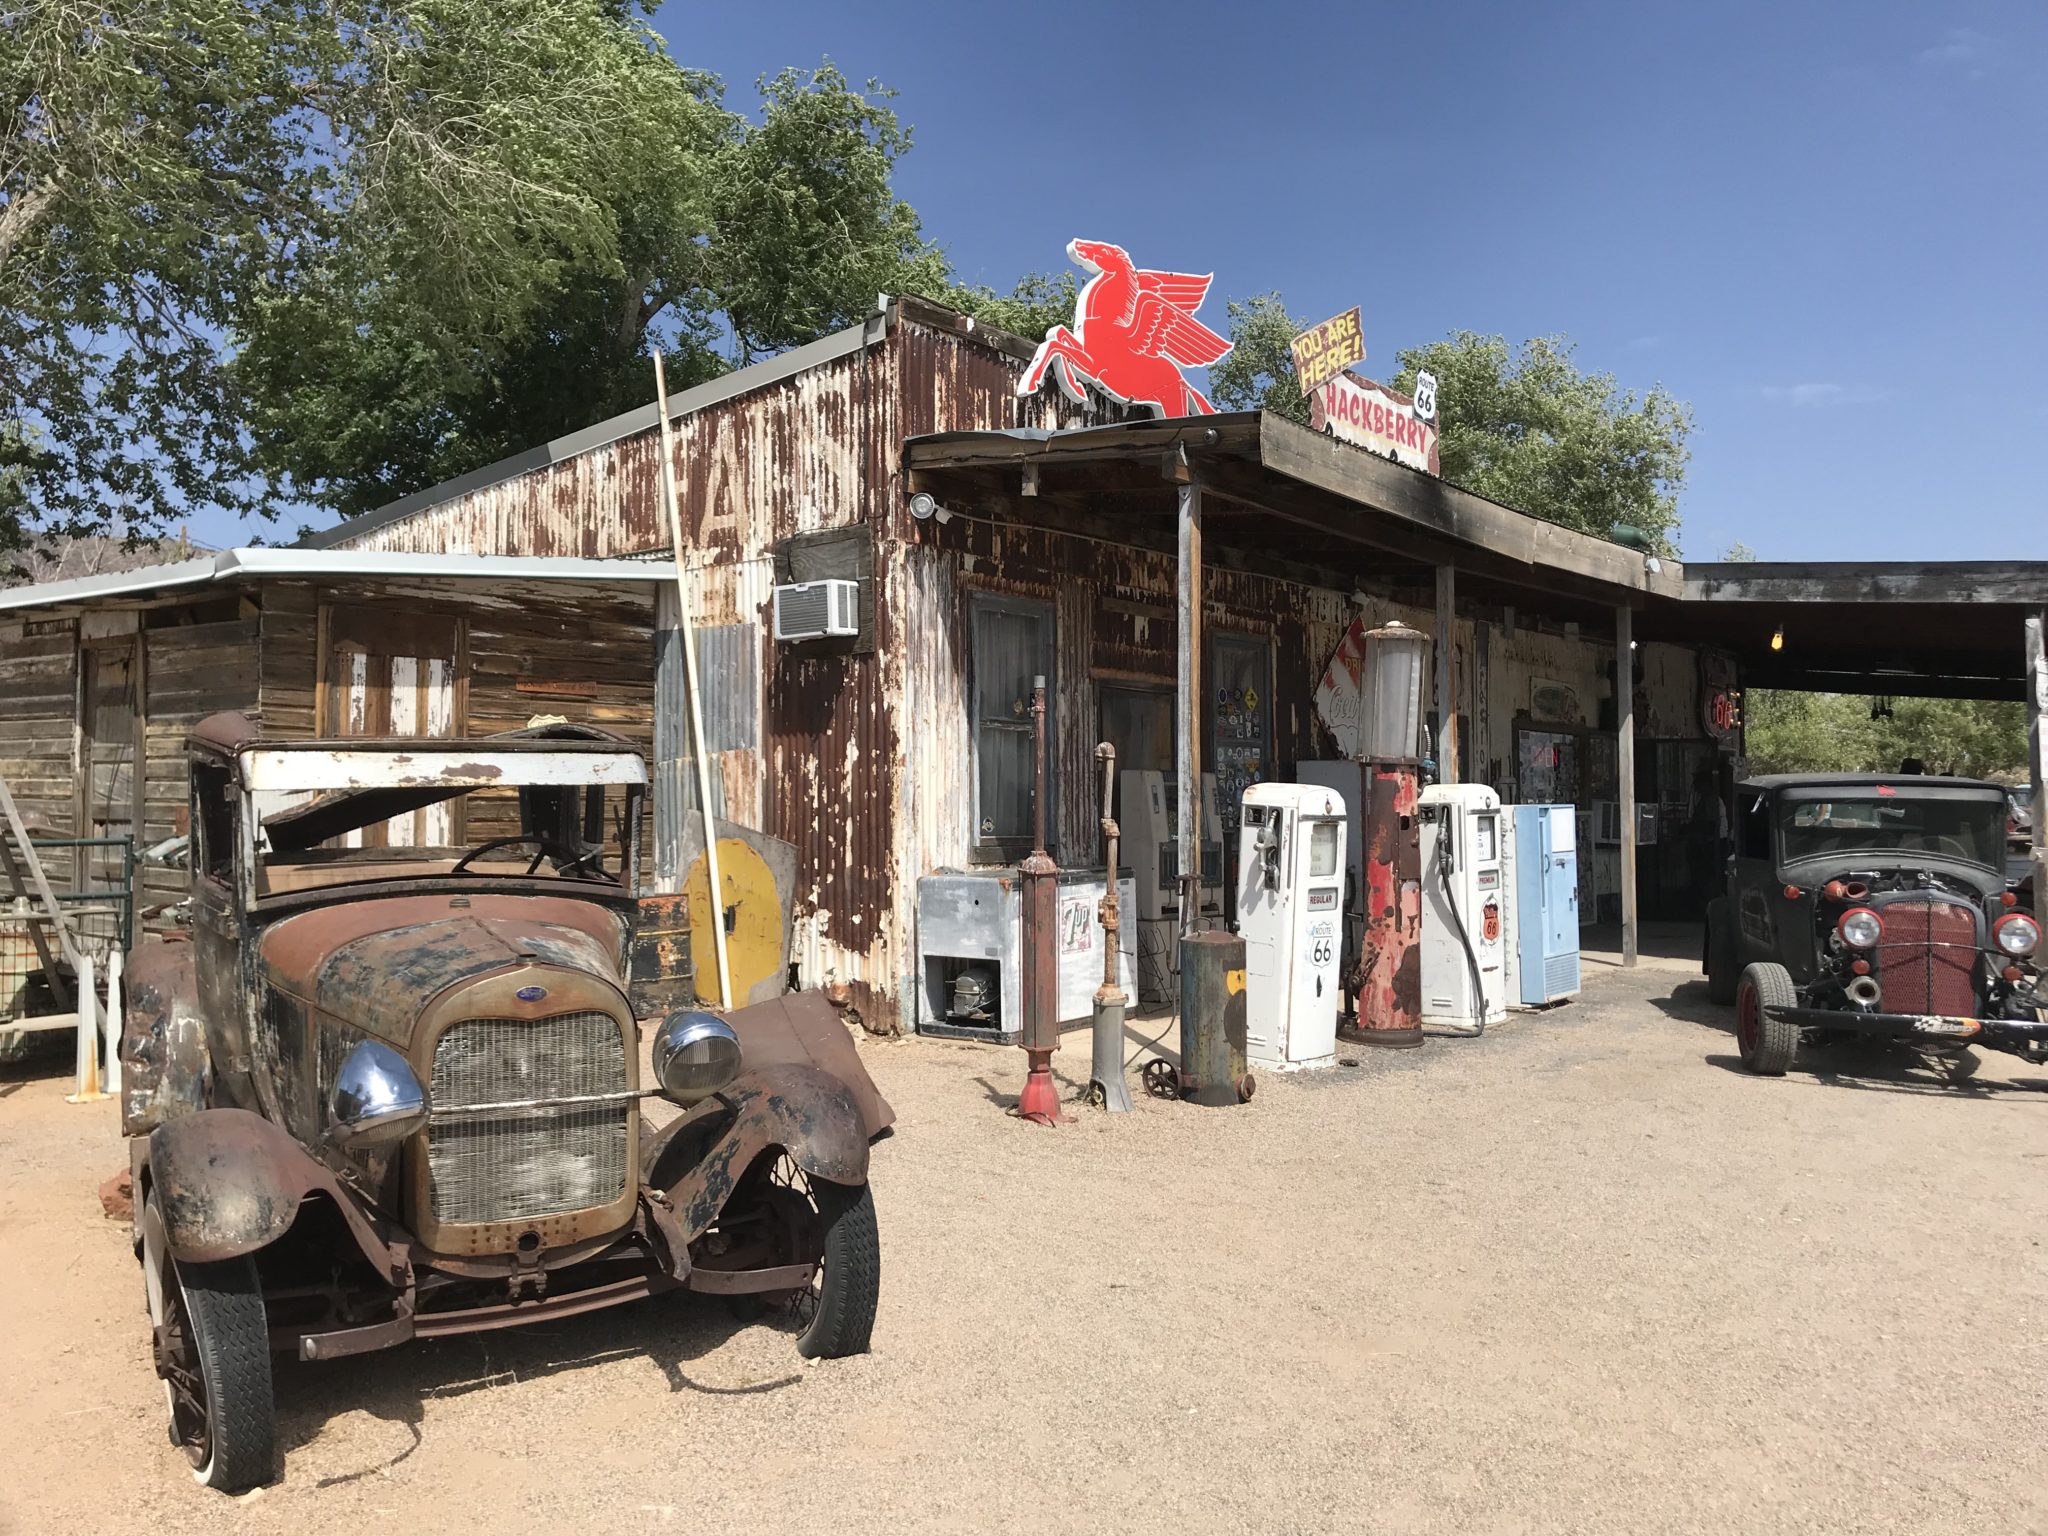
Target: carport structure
[{"x": 1954, "y": 630}]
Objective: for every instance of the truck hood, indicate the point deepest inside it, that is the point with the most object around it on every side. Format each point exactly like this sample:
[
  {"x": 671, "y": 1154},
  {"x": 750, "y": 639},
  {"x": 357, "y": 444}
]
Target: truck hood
[{"x": 377, "y": 964}]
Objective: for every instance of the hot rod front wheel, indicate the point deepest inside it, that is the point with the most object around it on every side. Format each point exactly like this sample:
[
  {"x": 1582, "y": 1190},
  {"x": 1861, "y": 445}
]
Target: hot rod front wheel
[
  {"x": 1767, "y": 1044},
  {"x": 212, "y": 1346}
]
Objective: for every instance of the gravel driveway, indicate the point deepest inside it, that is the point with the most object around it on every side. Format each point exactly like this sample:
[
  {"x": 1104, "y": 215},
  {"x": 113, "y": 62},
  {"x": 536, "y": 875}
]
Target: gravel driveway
[{"x": 1579, "y": 1276}]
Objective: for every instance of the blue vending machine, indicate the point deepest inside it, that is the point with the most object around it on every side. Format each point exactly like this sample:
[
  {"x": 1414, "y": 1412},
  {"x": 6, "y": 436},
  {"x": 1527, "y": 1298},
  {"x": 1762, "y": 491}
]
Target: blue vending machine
[{"x": 1546, "y": 894}]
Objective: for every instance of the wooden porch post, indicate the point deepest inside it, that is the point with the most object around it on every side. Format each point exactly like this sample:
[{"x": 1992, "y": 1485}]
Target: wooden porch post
[
  {"x": 1188, "y": 704},
  {"x": 1446, "y": 702},
  {"x": 1625, "y": 770},
  {"x": 2037, "y": 753}
]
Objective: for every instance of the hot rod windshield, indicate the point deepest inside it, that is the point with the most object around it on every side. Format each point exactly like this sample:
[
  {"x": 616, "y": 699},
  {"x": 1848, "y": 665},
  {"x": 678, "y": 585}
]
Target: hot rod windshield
[{"x": 1847, "y": 827}]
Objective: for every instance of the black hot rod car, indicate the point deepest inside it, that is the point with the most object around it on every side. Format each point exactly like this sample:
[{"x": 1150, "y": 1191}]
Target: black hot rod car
[{"x": 1866, "y": 906}]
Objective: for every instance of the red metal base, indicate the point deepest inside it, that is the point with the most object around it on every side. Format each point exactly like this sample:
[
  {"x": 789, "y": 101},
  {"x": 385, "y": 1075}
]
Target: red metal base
[{"x": 1040, "y": 1100}]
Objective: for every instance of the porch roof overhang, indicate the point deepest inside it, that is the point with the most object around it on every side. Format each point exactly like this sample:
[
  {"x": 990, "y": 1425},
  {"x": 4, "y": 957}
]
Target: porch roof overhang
[
  {"x": 1280, "y": 498},
  {"x": 241, "y": 565},
  {"x": 1944, "y": 630}
]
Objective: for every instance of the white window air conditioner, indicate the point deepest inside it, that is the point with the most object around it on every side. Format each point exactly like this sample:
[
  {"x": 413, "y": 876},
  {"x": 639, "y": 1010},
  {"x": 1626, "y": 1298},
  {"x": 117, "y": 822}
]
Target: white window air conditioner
[
  {"x": 817, "y": 610},
  {"x": 1607, "y": 822}
]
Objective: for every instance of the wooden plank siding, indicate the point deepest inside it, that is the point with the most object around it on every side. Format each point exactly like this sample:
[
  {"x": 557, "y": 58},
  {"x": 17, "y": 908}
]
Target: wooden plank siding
[
  {"x": 197, "y": 659},
  {"x": 38, "y": 729}
]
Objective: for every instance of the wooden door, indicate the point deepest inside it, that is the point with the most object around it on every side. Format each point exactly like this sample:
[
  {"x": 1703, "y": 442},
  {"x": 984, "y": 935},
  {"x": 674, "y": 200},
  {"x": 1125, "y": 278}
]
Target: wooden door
[{"x": 109, "y": 751}]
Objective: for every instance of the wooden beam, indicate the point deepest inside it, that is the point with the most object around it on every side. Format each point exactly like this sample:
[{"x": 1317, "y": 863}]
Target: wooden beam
[
  {"x": 1898, "y": 685},
  {"x": 1625, "y": 771},
  {"x": 1953, "y": 582},
  {"x": 1427, "y": 503},
  {"x": 2037, "y": 752},
  {"x": 1188, "y": 707},
  {"x": 1446, "y": 701}
]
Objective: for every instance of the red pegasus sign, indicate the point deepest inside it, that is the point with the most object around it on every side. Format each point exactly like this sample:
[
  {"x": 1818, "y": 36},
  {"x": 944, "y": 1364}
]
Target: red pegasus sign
[{"x": 1133, "y": 333}]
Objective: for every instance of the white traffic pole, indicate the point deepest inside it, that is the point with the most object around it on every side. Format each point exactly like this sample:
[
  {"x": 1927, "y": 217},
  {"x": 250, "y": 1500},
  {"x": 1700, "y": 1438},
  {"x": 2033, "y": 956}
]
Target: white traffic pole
[
  {"x": 88, "y": 1086},
  {"x": 112, "y": 1024}
]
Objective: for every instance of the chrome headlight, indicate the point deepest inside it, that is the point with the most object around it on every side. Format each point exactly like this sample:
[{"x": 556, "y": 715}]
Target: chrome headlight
[
  {"x": 2017, "y": 934},
  {"x": 1860, "y": 928},
  {"x": 376, "y": 1099},
  {"x": 695, "y": 1055}
]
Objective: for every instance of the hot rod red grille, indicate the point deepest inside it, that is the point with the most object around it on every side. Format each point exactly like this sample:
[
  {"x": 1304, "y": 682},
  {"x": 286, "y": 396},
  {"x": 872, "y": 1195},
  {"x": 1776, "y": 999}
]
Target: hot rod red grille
[{"x": 1927, "y": 962}]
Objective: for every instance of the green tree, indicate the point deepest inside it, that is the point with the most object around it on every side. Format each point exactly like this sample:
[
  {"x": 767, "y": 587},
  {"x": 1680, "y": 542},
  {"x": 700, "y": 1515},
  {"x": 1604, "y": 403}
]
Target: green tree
[
  {"x": 1257, "y": 374},
  {"x": 1789, "y": 732},
  {"x": 1527, "y": 428},
  {"x": 1040, "y": 301},
  {"x": 254, "y": 250}
]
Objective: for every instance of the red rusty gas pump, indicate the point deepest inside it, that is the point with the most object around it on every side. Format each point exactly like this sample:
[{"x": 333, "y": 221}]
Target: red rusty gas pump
[{"x": 1388, "y": 982}]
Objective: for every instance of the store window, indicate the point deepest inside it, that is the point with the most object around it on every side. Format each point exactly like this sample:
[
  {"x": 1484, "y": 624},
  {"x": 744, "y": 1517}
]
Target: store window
[{"x": 1011, "y": 643}]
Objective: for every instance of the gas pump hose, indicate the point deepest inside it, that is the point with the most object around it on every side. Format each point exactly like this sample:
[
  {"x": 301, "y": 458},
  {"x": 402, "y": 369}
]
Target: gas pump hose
[{"x": 1443, "y": 871}]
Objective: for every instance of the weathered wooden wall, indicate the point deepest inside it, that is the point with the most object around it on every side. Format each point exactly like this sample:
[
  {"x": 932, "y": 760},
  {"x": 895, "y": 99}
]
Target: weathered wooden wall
[
  {"x": 38, "y": 727},
  {"x": 198, "y": 658}
]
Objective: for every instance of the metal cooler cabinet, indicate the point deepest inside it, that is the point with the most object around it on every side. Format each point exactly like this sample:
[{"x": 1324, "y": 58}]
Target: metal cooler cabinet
[
  {"x": 1543, "y": 874},
  {"x": 972, "y": 919}
]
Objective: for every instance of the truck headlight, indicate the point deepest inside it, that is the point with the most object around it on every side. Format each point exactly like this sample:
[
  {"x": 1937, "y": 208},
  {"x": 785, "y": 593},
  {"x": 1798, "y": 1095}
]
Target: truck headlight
[
  {"x": 695, "y": 1055},
  {"x": 1860, "y": 928},
  {"x": 2017, "y": 934},
  {"x": 376, "y": 1100}
]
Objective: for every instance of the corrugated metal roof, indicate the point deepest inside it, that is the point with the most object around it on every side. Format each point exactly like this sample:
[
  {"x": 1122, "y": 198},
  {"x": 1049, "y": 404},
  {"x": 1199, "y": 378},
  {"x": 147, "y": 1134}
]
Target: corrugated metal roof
[
  {"x": 248, "y": 564},
  {"x": 740, "y": 381}
]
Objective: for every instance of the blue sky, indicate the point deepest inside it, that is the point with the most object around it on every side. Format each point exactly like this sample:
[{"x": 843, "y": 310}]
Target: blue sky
[{"x": 1825, "y": 225}]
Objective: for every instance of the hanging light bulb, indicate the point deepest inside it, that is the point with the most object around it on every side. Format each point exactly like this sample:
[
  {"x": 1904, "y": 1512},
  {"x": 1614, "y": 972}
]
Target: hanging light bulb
[{"x": 1778, "y": 638}]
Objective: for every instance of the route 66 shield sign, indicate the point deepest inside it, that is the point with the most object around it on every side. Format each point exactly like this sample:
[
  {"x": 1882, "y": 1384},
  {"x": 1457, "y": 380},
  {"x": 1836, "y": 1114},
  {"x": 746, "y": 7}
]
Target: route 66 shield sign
[{"x": 1425, "y": 397}]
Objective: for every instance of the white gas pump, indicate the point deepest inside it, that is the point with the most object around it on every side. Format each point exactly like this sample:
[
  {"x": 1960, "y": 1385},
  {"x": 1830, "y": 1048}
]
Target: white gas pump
[
  {"x": 1290, "y": 914},
  {"x": 1464, "y": 916},
  {"x": 1148, "y": 822}
]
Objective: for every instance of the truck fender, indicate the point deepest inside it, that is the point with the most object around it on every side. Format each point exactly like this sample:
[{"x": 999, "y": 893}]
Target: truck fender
[
  {"x": 164, "y": 1060},
  {"x": 230, "y": 1182},
  {"x": 697, "y": 1159}
]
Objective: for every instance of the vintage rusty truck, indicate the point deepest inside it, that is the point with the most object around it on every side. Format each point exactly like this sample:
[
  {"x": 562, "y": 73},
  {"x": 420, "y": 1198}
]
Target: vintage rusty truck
[
  {"x": 1865, "y": 907},
  {"x": 389, "y": 1084}
]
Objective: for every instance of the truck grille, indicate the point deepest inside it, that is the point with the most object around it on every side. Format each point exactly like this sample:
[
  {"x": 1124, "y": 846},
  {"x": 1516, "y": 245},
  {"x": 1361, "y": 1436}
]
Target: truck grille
[
  {"x": 531, "y": 1162},
  {"x": 1927, "y": 960}
]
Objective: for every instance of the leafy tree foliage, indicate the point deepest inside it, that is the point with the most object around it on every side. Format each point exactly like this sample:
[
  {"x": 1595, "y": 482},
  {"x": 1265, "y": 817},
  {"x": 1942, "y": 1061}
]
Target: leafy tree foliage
[
  {"x": 254, "y": 250},
  {"x": 1040, "y": 301},
  {"x": 1526, "y": 427},
  {"x": 1257, "y": 374},
  {"x": 1844, "y": 733}
]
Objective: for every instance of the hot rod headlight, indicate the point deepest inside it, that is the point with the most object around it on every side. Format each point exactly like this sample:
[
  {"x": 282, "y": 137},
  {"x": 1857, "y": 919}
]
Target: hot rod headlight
[
  {"x": 695, "y": 1055},
  {"x": 1860, "y": 928},
  {"x": 2017, "y": 933}
]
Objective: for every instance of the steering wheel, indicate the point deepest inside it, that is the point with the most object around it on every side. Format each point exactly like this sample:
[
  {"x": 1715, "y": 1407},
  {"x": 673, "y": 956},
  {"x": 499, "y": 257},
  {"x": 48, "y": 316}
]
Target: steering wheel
[{"x": 567, "y": 860}]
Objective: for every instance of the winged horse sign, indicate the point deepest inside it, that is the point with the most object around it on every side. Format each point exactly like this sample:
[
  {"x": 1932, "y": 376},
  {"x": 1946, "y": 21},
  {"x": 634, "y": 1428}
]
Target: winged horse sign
[{"x": 1133, "y": 333}]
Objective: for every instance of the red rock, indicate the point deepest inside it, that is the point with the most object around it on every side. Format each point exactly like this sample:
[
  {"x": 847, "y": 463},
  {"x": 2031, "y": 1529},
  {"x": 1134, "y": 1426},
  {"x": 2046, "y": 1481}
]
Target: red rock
[{"x": 117, "y": 1197}]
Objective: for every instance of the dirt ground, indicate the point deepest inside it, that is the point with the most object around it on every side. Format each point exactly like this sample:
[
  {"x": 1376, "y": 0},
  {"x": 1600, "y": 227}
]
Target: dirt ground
[{"x": 1579, "y": 1276}]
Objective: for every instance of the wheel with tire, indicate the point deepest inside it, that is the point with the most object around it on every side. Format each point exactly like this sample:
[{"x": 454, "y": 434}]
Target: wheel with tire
[
  {"x": 212, "y": 1346},
  {"x": 1719, "y": 960},
  {"x": 1767, "y": 1044},
  {"x": 838, "y": 1310}
]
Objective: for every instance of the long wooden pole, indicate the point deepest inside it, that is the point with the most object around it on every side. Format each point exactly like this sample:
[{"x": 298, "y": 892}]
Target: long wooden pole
[
  {"x": 1188, "y": 709},
  {"x": 1446, "y": 701},
  {"x": 686, "y": 628},
  {"x": 1625, "y": 771},
  {"x": 2037, "y": 754}
]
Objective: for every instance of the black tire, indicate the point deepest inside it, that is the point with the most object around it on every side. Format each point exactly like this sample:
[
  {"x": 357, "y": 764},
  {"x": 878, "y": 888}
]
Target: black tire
[
  {"x": 1720, "y": 956},
  {"x": 1767, "y": 1044},
  {"x": 230, "y": 1433},
  {"x": 849, "y": 1282}
]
